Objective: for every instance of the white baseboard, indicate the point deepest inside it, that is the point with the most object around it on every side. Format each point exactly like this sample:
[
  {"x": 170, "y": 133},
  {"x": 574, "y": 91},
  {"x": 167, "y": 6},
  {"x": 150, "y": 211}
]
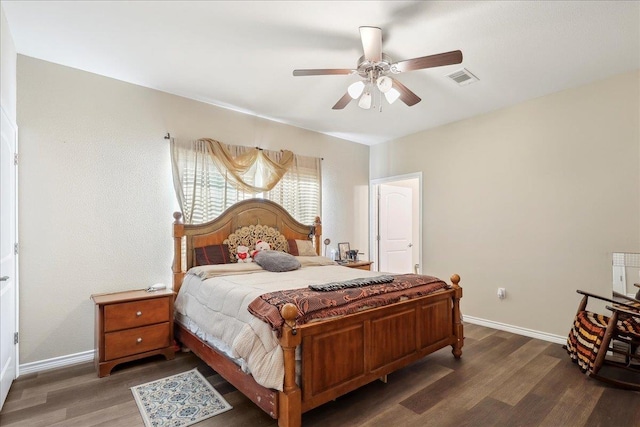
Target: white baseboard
[
  {"x": 517, "y": 330},
  {"x": 87, "y": 356},
  {"x": 56, "y": 362}
]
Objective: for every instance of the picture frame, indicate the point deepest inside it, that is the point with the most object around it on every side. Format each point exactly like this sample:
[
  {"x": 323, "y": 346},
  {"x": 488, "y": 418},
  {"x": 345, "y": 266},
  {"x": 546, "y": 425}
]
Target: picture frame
[{"x": 343, "y": 250}]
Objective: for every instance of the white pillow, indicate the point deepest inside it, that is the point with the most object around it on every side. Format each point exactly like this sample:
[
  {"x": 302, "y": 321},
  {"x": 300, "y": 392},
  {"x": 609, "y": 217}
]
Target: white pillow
[
  {"x": 312, "y": 261},
  {"x": 215, "y": 270}
]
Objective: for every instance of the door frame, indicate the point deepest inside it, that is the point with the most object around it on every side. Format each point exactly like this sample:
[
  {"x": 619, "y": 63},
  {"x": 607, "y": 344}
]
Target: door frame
[
  {"x": 374, "y": 185},
  {"x": 16, "y": 285}
]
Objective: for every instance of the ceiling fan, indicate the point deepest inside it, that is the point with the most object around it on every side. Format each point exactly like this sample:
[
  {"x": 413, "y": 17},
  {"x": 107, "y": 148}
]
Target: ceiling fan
[{"x": 375, "y": 68}]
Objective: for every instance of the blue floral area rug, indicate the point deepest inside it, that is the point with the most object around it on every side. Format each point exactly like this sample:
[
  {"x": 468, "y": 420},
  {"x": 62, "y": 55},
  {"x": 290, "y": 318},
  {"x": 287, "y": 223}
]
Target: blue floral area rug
[{"x": 178, "y": 401}]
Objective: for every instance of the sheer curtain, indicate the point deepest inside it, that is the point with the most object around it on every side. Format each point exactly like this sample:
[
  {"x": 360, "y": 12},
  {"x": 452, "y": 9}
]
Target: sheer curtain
[{"x": 209, "y": 177}]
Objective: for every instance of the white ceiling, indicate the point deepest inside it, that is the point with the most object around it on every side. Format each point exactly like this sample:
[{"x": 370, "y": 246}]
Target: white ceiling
[{"x": 241, "y": 55}]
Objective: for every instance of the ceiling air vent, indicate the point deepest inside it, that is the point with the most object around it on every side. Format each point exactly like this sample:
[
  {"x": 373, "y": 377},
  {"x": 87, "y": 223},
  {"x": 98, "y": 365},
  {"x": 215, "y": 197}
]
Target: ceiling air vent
[{"x": 463, "y": 77}]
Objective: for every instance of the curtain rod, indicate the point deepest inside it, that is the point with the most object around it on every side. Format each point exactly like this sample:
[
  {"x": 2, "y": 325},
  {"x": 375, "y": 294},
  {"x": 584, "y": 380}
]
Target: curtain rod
[{"x": 168, "y": 136}]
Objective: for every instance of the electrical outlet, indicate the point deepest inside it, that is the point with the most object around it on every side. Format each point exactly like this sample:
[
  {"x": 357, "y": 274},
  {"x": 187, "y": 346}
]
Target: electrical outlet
[{"x": 502, "y": 293}]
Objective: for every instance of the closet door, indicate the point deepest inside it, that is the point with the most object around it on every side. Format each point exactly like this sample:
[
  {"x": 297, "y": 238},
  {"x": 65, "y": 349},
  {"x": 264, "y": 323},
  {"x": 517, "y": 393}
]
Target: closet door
[{"x": 395, "y": 229}]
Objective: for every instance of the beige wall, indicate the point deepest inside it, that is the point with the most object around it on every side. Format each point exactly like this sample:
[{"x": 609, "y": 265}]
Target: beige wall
[
  {"x": 533, "y": 198},
  {"x": 96, "y": 193}
]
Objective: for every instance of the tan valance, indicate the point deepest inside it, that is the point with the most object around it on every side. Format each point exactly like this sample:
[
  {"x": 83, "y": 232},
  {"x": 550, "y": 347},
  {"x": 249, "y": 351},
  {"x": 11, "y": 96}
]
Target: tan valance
[{"x": 252, "y": 171}]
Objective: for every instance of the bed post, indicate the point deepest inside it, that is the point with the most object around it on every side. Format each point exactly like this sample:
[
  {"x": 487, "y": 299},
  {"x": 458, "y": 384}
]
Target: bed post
[
  {"x": 290, "y": 398},
  {"x": 457, "y": 318},
  {"x": 317, "y": 233},
  {"x": 178, "y": 234}
]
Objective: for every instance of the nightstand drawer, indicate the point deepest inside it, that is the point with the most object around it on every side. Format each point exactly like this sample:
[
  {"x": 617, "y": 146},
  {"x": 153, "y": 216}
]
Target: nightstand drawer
[
  {"x": 138, "y": 340},
  {"x": 135, "y": 313}
]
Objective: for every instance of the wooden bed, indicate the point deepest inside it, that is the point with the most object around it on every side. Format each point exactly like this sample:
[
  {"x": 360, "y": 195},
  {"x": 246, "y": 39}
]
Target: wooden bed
[{"x": 359, "y": 348}]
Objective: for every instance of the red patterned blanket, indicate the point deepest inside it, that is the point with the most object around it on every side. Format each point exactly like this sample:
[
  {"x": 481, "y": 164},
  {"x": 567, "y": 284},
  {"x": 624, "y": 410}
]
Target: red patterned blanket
[{"x": 319, "y": 305}]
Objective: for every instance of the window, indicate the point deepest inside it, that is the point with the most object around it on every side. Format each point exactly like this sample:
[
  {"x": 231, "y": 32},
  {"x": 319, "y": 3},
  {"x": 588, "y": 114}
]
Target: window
[{"x": 206, "y": 179}]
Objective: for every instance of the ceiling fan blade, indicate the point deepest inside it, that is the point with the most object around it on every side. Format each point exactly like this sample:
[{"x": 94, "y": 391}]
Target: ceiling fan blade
[
  {"x": 346, "y": 98},
  {"x": 447, "y": 58},
  {"x": 406, "y": 95},
  {"x": 371, "y": 43},
  {"x": 322, "y": 72}
]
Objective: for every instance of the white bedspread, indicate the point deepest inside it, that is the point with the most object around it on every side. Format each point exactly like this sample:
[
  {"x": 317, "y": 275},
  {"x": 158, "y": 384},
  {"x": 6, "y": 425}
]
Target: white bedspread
[{"x": 218, "y": 306}]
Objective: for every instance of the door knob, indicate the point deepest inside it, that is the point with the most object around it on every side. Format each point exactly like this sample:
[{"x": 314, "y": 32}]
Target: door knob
[
  {"x": 410, "y": 245},
  {"x": 4, "y": 278}
]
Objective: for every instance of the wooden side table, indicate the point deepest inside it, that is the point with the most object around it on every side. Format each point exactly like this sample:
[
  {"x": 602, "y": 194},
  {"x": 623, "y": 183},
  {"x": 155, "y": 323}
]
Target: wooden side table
[
  {"x": 361, "y": 265},
  {"x": 132, "y": 325}
]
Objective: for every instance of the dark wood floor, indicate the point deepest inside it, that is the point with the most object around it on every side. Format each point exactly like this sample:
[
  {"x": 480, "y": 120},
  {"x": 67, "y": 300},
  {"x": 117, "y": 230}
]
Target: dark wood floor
[{"x": 502, "y": 380}]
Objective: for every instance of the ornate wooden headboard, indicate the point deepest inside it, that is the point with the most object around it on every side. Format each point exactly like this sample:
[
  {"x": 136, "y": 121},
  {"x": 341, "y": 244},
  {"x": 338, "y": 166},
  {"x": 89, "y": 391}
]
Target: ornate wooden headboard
[{"x": 245, "y": 213}]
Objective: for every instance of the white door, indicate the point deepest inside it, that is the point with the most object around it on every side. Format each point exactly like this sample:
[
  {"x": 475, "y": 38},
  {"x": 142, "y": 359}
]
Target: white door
[
  {"x": 395, "y": 250},
  {"x": 8, "y": 267}
]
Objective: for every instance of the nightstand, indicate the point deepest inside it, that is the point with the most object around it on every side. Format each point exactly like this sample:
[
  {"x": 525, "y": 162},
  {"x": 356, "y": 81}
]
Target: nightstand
[
  {"x": 360, "y": 265},
  {"x": 132, "y": 325}
]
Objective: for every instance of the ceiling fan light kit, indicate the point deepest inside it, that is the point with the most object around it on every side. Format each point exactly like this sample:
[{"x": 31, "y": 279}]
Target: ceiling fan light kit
[
  {"x": 356, "y": 89},
  {"x": 392, "y": 95},
  {"x": 384, "y": 83},
  {"x": 365, "y": 101},
  {"x": 374, "y": 67}
]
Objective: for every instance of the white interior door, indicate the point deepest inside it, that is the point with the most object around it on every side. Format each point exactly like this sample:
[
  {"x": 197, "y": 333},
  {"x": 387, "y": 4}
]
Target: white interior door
[
  {"x": 395, "y": 249},
  {"x": 8, "y": 265}
]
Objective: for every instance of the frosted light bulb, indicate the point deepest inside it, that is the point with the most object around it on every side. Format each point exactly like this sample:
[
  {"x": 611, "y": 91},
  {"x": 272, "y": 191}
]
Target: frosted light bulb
[
  {"x": 392, "y": 95},
  {"x": 384, "y": 84},
  {"x": 365, "y": 101},
  {"x": 355, "y": 89}
]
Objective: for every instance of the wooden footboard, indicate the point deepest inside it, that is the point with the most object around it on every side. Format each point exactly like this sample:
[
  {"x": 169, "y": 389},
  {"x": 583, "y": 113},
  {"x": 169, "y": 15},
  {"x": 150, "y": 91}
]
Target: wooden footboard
[{"x": 340, "y": 355}]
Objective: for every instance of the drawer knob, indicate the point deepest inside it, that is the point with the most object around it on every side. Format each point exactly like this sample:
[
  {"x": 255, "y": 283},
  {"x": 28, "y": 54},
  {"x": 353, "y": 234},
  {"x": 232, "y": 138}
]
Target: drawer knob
[
  {"x": 139, "y": 313},
  {"x": 139, "y": 340}
]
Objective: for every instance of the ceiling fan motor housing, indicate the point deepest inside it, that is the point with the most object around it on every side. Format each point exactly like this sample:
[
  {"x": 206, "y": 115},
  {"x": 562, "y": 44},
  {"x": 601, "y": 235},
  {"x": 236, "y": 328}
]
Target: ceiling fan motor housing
[{"x": 367, "y": 69}]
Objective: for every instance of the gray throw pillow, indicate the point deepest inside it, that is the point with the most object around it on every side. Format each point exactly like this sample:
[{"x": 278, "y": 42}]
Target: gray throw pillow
[{"x": 276, "y": 261}]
